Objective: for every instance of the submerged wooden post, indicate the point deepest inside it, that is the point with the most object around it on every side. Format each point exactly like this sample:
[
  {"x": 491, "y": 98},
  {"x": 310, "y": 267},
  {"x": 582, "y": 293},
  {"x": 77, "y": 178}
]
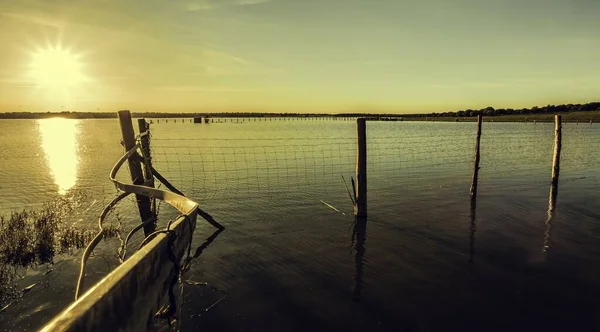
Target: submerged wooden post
[
  {"x": 360, "y": 209},
  {"x": 473, "y": 191},
  {"x": 557, "y": 147},
  {"x": 135, "y": 168}
]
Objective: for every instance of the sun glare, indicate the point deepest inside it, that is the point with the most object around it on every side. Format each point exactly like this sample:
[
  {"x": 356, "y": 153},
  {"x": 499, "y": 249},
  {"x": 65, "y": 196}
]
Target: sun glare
[
  {"x": 59, "y": 141},
  {"x": 57, "y": 68}
]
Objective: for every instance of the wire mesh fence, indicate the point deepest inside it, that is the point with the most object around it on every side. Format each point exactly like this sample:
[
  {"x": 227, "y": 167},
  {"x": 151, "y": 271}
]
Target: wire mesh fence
[
  {"x": 417, "y": 162},
  {"x": 237, "y": 168},
  {"x": 407, "y": 163},
  {"x": 517, "y": 153},
  {"x": 402, "y": 157},
  {"x": 523, "y": 153},
  {"x": 580, "y": 146}
]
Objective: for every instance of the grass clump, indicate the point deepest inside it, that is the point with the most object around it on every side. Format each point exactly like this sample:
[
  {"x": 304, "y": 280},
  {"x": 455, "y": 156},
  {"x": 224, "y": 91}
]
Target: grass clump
[
  {"x": 33, "y": 237},
  {"x": 27, "y": 238},
  {"x": 30, "y": 238}
]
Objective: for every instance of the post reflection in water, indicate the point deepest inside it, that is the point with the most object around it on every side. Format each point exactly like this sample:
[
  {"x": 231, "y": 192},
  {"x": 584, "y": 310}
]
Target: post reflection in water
[
  {"x": 359, "y": 237},
  {"x": 551, "y": 207},
  {"x": 59, "y": 142},
  {"x": 473, "y": 230}
]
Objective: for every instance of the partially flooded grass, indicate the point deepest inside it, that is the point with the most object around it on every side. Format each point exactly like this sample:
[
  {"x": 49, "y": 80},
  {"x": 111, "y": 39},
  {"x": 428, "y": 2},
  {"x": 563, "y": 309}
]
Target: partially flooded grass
[
  {"x": 31, "y": 238},
  {"x": 8, "y": 288}
]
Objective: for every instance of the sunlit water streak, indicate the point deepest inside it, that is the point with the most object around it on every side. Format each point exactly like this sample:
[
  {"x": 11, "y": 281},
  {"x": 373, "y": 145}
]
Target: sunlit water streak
[{"x": 59, "y": 142}]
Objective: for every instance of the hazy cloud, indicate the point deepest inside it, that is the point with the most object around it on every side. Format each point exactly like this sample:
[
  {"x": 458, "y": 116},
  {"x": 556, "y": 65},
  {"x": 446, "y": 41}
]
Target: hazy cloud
[
  {"x": 207, "y": 4},
  {"x": 215, "y": 62},
  {"x": 201, "y": 88},
  {"x": 35, "y": 19},
  {"x": 197, "y": 5},
  {"x": 15, "y": 83},
  {"x": 252, "y": 2}
]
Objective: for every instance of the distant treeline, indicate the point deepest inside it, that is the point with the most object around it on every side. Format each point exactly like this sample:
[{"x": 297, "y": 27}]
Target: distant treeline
[{"x": 488, "y": 111}]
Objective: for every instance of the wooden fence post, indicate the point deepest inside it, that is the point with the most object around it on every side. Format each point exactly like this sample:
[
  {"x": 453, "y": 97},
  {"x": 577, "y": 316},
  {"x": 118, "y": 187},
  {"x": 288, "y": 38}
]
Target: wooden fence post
[
  {"x": 557, "y": 148},
  {"x": 361, "y": 169},
  {"x": 145, "y": 147},
  {"x": 135, "y": 168},
  {"x": 554, "y": 182},
  {"x": 473, "y": 191},
  {"x": 144, "y": 126}
]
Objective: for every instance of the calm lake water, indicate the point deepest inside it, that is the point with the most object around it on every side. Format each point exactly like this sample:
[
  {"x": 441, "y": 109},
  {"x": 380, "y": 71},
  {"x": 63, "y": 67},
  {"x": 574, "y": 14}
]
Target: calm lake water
[{"x": 289, "y": 261}]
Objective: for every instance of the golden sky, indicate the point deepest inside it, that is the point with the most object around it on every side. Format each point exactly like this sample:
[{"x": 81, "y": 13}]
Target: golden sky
[{"x": 297, "y": 55}]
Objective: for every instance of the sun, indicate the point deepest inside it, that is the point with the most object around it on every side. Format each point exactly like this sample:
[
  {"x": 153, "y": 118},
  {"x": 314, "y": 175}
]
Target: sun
[{"x": 56, "y": 68}]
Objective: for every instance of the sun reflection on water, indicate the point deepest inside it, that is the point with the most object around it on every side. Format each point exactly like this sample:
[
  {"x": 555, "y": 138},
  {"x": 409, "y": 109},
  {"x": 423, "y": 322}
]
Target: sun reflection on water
[{"x": 59, "y": 141}]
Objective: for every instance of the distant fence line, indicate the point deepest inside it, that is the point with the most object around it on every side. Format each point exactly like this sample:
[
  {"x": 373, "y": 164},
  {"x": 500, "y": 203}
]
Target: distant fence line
[
  {"x": 209, "y": 119},
  {"x": 526, "y": 118}
]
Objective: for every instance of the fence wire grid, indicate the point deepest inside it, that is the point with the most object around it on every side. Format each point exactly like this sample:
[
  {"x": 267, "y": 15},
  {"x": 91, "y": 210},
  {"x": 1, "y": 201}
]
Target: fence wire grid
[{"x": 401, "y": 157}]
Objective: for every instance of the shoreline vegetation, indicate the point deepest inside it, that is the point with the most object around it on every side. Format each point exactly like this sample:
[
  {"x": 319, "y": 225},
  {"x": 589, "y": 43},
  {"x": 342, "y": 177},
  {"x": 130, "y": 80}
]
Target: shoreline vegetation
[
  {"x": 571, "y": 113},
  {"x": 33, "y": 238}
]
